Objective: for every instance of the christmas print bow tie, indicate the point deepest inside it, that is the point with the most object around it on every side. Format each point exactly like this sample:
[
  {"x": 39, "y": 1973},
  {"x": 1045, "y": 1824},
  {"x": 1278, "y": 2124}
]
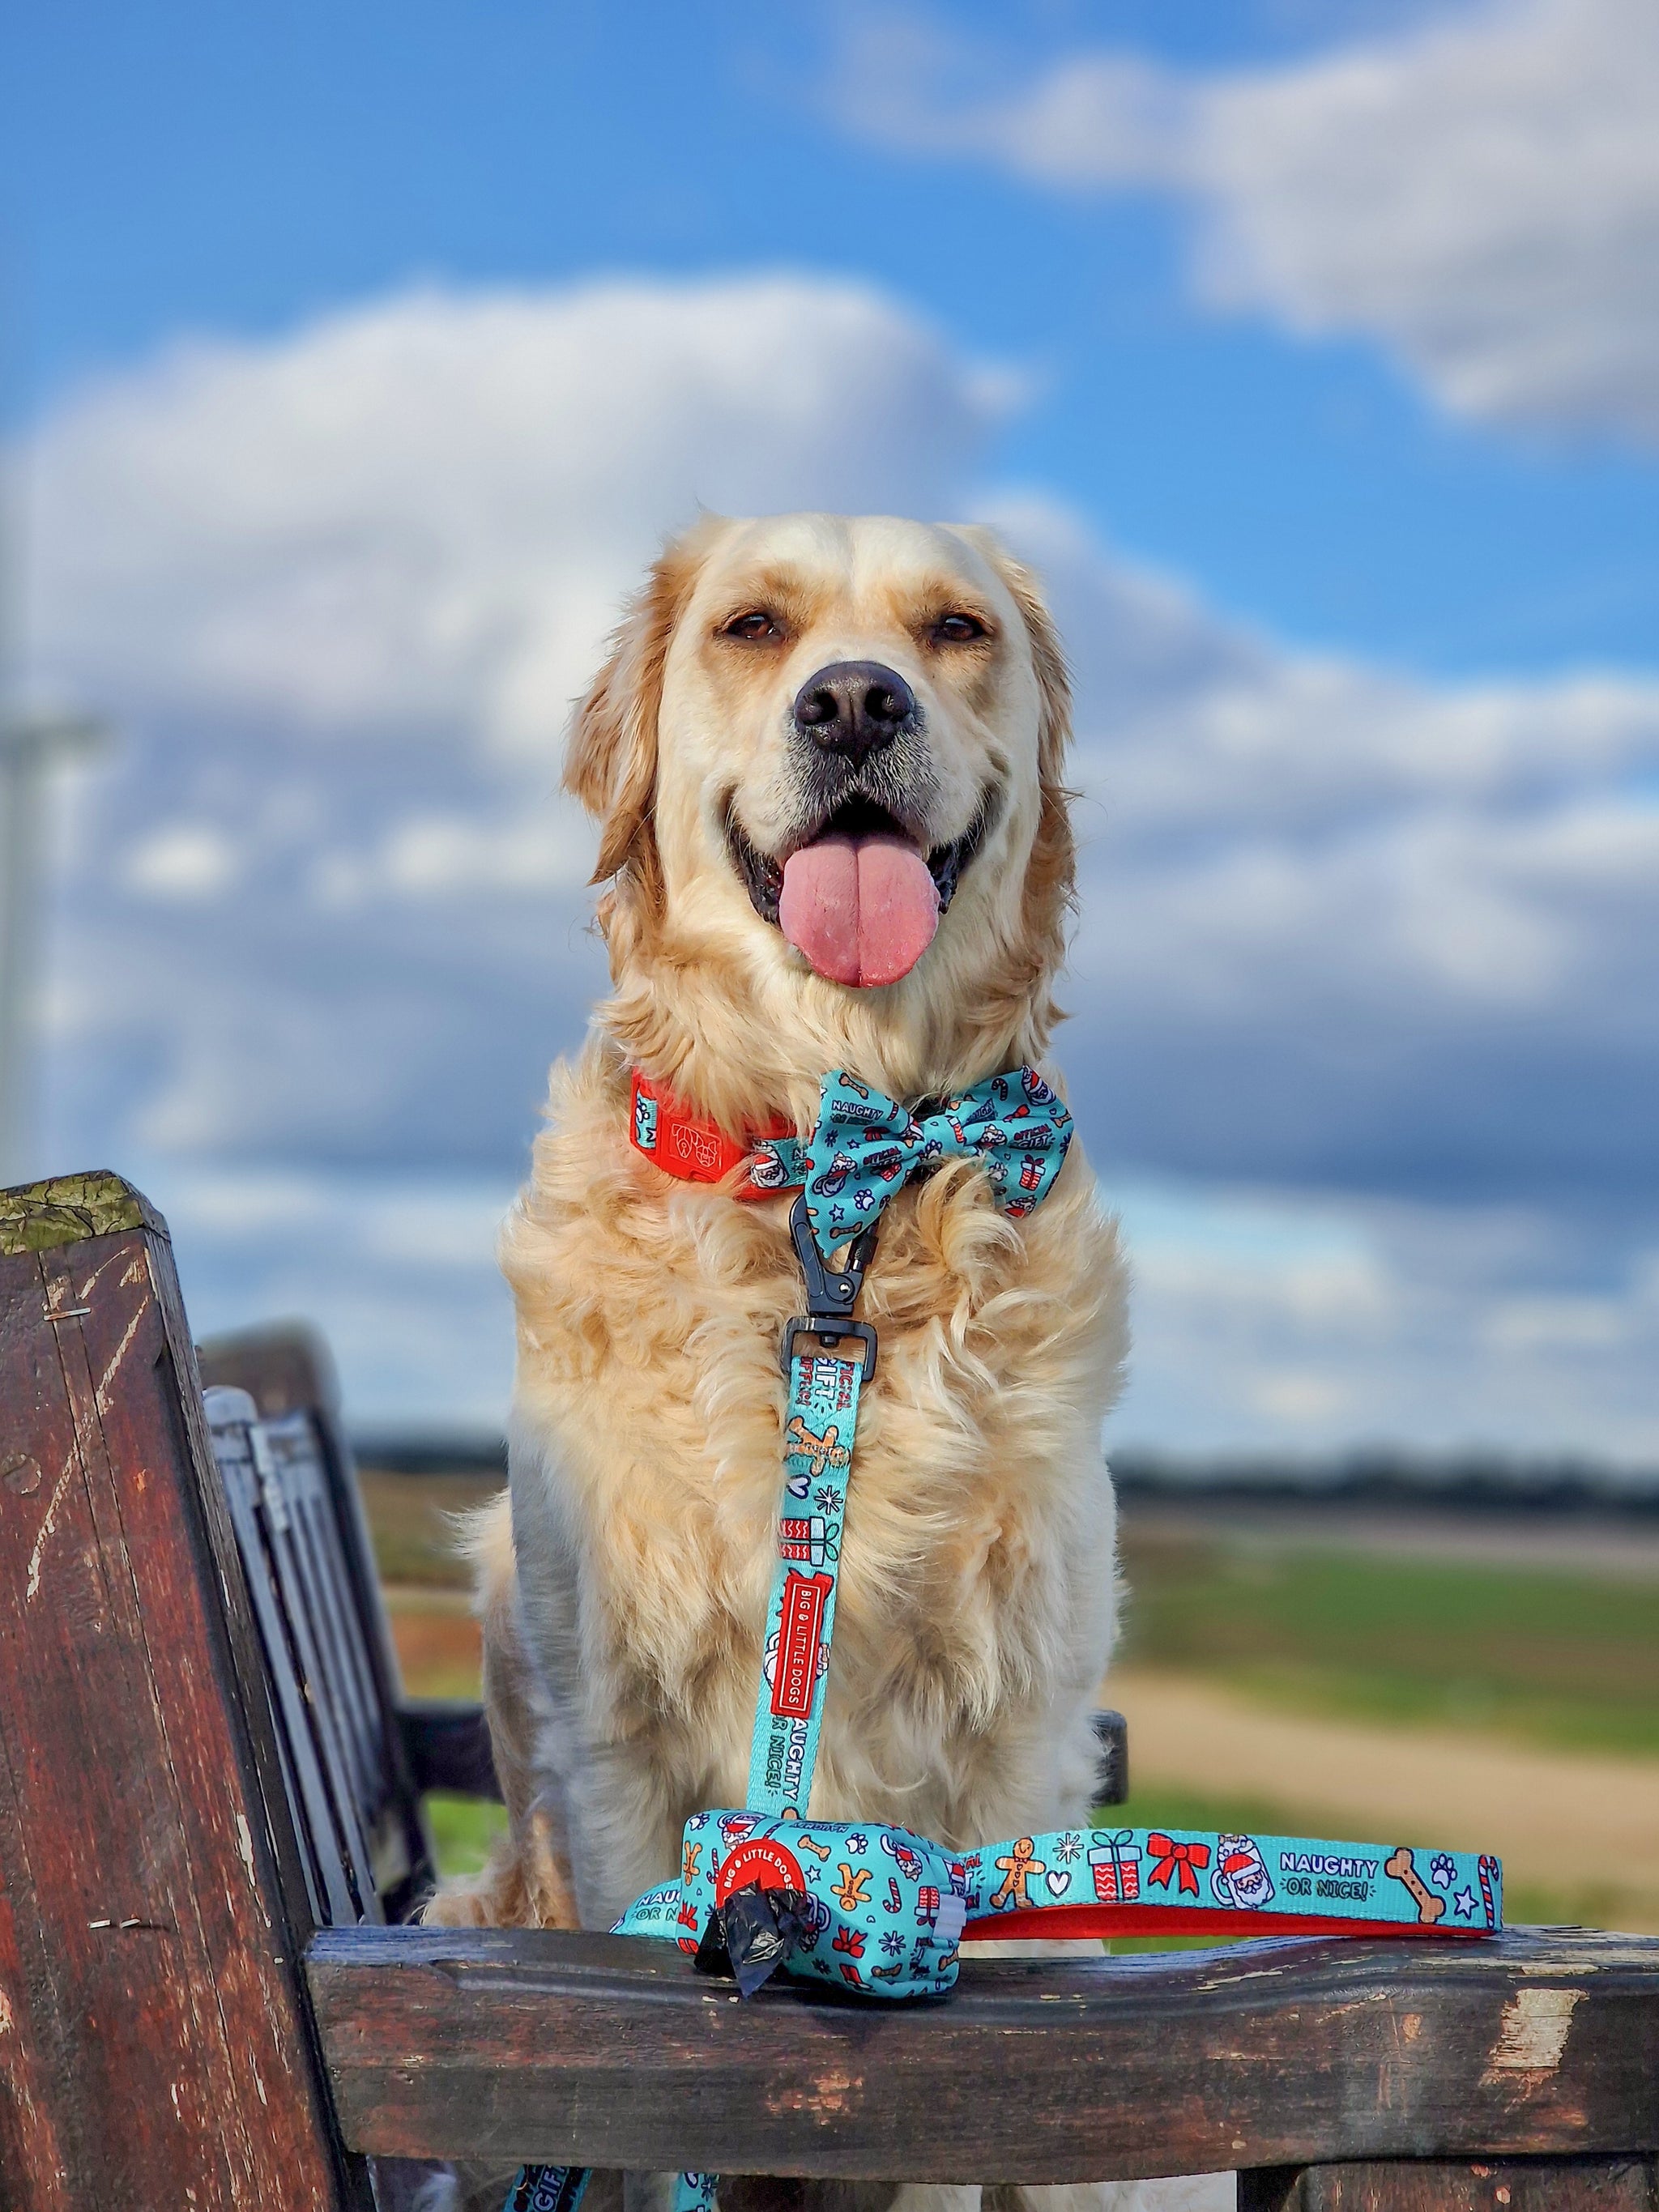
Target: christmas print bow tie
[{"x": 866, "y": 1146}]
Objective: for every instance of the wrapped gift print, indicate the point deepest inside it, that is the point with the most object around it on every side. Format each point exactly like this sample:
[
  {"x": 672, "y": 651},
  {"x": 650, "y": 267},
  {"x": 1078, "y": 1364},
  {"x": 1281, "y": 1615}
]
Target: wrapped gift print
[
  {"x": 1116, "y": 1864},
  {"x": 806, "y": 1537}
]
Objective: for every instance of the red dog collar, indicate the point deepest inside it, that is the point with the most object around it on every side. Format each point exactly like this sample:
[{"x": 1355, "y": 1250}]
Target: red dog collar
[{"x": 687, "y": 1145}]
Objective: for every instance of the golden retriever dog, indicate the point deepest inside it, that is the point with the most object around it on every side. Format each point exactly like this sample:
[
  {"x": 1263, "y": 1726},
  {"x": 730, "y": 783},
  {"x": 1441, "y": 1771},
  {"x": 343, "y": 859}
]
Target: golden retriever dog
[{"x": 826, "y": 759}]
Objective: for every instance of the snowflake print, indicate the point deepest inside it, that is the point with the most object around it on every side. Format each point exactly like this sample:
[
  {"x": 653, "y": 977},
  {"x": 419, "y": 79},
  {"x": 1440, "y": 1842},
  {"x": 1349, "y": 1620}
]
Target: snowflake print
[
  {"x": 858, "y": 1842},
  {"x": 892, "y": 1943},
  {"x": 1068, "y": 1848},
  {"x": 826, "y": 1498}
]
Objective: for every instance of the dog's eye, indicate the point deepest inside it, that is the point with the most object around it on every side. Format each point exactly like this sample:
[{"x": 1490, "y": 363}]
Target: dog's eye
[
  {"x": 959, "y": 629},
  {"x": 756, "y": 625}
]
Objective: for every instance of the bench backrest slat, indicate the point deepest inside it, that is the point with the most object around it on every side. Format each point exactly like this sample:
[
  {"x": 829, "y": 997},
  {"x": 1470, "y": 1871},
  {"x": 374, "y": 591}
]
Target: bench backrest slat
[
  {"x": 286, "y": 1450},
  {"x": 330, "y": 1898},
  {"x": 314, "y": 1545},
  {"x": 354, "y": 1802}
]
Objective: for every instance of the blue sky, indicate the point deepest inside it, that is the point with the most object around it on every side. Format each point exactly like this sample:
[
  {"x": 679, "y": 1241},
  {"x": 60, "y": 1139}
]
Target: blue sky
[
  {"x": 193, "y": 167},
  {"x": 1338, "y": 445}
]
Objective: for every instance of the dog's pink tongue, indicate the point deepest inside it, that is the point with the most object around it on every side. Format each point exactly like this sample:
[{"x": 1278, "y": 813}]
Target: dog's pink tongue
[{"x": 862, "y": 909}]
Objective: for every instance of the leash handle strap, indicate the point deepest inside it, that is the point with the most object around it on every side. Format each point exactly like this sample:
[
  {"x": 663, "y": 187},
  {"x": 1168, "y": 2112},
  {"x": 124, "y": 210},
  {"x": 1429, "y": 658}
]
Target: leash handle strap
[
  {"x": 881, "y": 1910},
  {"x": 819, "y": 1430}
]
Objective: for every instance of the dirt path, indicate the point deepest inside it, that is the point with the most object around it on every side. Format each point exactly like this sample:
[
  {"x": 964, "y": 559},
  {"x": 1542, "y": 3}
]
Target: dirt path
[
  {"x": 1626, "y": 1547},
  {"x": 1566, "y": 1822}
]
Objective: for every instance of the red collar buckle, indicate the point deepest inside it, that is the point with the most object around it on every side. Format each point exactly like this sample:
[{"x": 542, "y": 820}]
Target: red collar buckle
[{"x": 686, "y": 1144}]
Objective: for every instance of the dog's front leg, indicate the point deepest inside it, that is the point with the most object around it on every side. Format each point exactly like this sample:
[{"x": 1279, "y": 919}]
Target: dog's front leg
[{"x": 1186, "y": 2193}]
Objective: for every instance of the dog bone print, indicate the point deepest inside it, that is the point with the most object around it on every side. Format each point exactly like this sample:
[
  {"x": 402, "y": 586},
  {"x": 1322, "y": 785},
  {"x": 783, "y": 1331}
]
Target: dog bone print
[{"x": 1429, "y": 1908}]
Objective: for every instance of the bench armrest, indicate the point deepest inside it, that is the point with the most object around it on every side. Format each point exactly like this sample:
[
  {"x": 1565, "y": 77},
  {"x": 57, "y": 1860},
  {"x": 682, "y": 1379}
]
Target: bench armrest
[
  {"x": 447, "y": 1743},
  {"x": 1112, "y": 1766}
]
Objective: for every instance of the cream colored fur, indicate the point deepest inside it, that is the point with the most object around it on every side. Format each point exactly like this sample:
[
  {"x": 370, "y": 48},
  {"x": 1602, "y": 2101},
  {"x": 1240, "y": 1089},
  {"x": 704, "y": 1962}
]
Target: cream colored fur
[{"x": 623, "y": 1606}]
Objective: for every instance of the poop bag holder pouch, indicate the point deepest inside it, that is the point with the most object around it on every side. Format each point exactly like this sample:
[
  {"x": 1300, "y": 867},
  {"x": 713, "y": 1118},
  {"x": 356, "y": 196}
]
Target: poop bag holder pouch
[{"x": 865, "y": 1907}]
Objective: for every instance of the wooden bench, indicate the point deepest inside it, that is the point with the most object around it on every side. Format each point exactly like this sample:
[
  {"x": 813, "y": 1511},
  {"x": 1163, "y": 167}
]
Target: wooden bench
[{"x": 210, "y": 1825}]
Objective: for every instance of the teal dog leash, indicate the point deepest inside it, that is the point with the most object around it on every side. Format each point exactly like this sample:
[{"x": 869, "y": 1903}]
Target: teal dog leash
[
  {"x": 878, "y": 1909},
  {"x": 864, "y": 1149}
]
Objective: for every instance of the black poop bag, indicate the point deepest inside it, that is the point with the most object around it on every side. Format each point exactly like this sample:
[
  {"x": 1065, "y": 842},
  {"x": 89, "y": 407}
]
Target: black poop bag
[{"x": 748, "y": 1938}]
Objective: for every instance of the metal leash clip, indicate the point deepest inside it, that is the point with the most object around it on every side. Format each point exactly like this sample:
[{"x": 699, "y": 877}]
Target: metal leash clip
[{"x": 831, "y": 1295}]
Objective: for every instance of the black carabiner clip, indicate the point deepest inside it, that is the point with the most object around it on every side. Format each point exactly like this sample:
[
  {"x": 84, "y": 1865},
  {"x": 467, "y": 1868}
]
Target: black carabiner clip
[{"x": 831, "y": 1294}]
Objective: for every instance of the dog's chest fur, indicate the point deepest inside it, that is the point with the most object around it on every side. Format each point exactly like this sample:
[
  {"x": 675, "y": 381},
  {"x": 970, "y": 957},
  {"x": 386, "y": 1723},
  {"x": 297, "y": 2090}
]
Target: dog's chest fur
[{"x": 976, "y": 1599}]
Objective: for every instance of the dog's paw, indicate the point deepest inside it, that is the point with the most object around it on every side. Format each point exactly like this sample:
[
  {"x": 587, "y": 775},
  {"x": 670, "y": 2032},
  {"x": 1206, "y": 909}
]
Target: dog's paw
[
  {"x": 459, "y": 1903},
  {"x": 1185, "y": 2192},
  {"x": 521, "y": 1885},
  {"x": 409, "y": 2185}
]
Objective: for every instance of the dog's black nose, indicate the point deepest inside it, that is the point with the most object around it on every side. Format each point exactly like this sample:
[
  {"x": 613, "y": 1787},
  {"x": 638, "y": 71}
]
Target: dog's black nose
[{"x": 853, "y": 707}]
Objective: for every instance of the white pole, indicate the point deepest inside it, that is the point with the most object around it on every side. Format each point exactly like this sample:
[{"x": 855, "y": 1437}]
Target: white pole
[
  {"x": 20, "y": 841},
  {"x": 30, "y": 745}
]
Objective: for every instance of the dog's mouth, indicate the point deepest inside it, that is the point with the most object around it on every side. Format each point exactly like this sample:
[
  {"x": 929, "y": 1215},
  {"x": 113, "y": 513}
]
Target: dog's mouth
[{"x": 860, "y": 898}]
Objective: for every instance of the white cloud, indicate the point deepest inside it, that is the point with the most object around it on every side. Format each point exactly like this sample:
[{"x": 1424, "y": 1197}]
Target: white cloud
[
  {"x": 187, "y": 860},
  {"x": 1479, "y": 193},
  {"x": 1395, "y": 915},
  {"x": 1341, "y": 933},
  {"x": 416, "y": 516},
  {"x": 398, "y": 1274},
  {"x": 436, "y": 856},
  {"x": 1266, "y": 1322}
]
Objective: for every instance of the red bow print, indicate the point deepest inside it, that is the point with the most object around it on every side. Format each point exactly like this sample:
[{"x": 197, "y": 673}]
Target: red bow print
[{"x": 1170, "y": 1855}]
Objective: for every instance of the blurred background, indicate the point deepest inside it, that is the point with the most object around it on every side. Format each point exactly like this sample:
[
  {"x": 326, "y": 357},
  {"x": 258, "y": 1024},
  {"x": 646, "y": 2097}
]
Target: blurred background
[{"x": 353, "y": 362}]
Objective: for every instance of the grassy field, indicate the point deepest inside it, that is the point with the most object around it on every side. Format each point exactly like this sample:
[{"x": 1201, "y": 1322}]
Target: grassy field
[
  {"x": 415, "y": 1523},
  {"x": 1567, "y": 1662}
]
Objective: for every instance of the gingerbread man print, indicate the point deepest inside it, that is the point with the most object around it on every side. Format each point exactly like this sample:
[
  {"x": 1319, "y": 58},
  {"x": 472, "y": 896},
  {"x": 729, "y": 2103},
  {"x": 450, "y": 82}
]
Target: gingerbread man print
[
  {"x": 1021, "y": 1866},
  {"x": 826, "y": 1450},
  {"x": 853, "y": 1889}
]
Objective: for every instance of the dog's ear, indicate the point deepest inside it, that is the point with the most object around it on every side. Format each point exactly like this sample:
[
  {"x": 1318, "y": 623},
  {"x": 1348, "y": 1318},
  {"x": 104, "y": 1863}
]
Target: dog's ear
[
  {"x": 611, "y": 764},
  {"x": 1048, "y": 655},
  {"x": 1051, "y": 873}
]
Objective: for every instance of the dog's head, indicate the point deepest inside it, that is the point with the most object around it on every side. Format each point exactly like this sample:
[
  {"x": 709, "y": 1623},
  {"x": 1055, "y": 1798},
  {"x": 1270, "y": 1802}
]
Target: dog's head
[{"x": 826, "y": 757}]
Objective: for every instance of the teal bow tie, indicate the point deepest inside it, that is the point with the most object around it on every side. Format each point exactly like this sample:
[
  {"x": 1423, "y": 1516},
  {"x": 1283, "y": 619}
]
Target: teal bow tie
[{"x": 866, "y": 1146}]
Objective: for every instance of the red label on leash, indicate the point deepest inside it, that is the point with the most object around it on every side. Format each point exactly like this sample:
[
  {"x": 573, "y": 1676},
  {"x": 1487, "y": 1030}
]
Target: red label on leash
[
  {"x": 763, "y": 1860},
  {"x": 799, "y": 1625}
]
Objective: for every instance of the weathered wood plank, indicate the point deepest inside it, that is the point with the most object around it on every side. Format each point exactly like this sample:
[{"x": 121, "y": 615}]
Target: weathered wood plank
[
  {"x": 154, "y": 2047},
  {"x": 600, "y": 2051},
  {"x": 1529, "y": 2184}
]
